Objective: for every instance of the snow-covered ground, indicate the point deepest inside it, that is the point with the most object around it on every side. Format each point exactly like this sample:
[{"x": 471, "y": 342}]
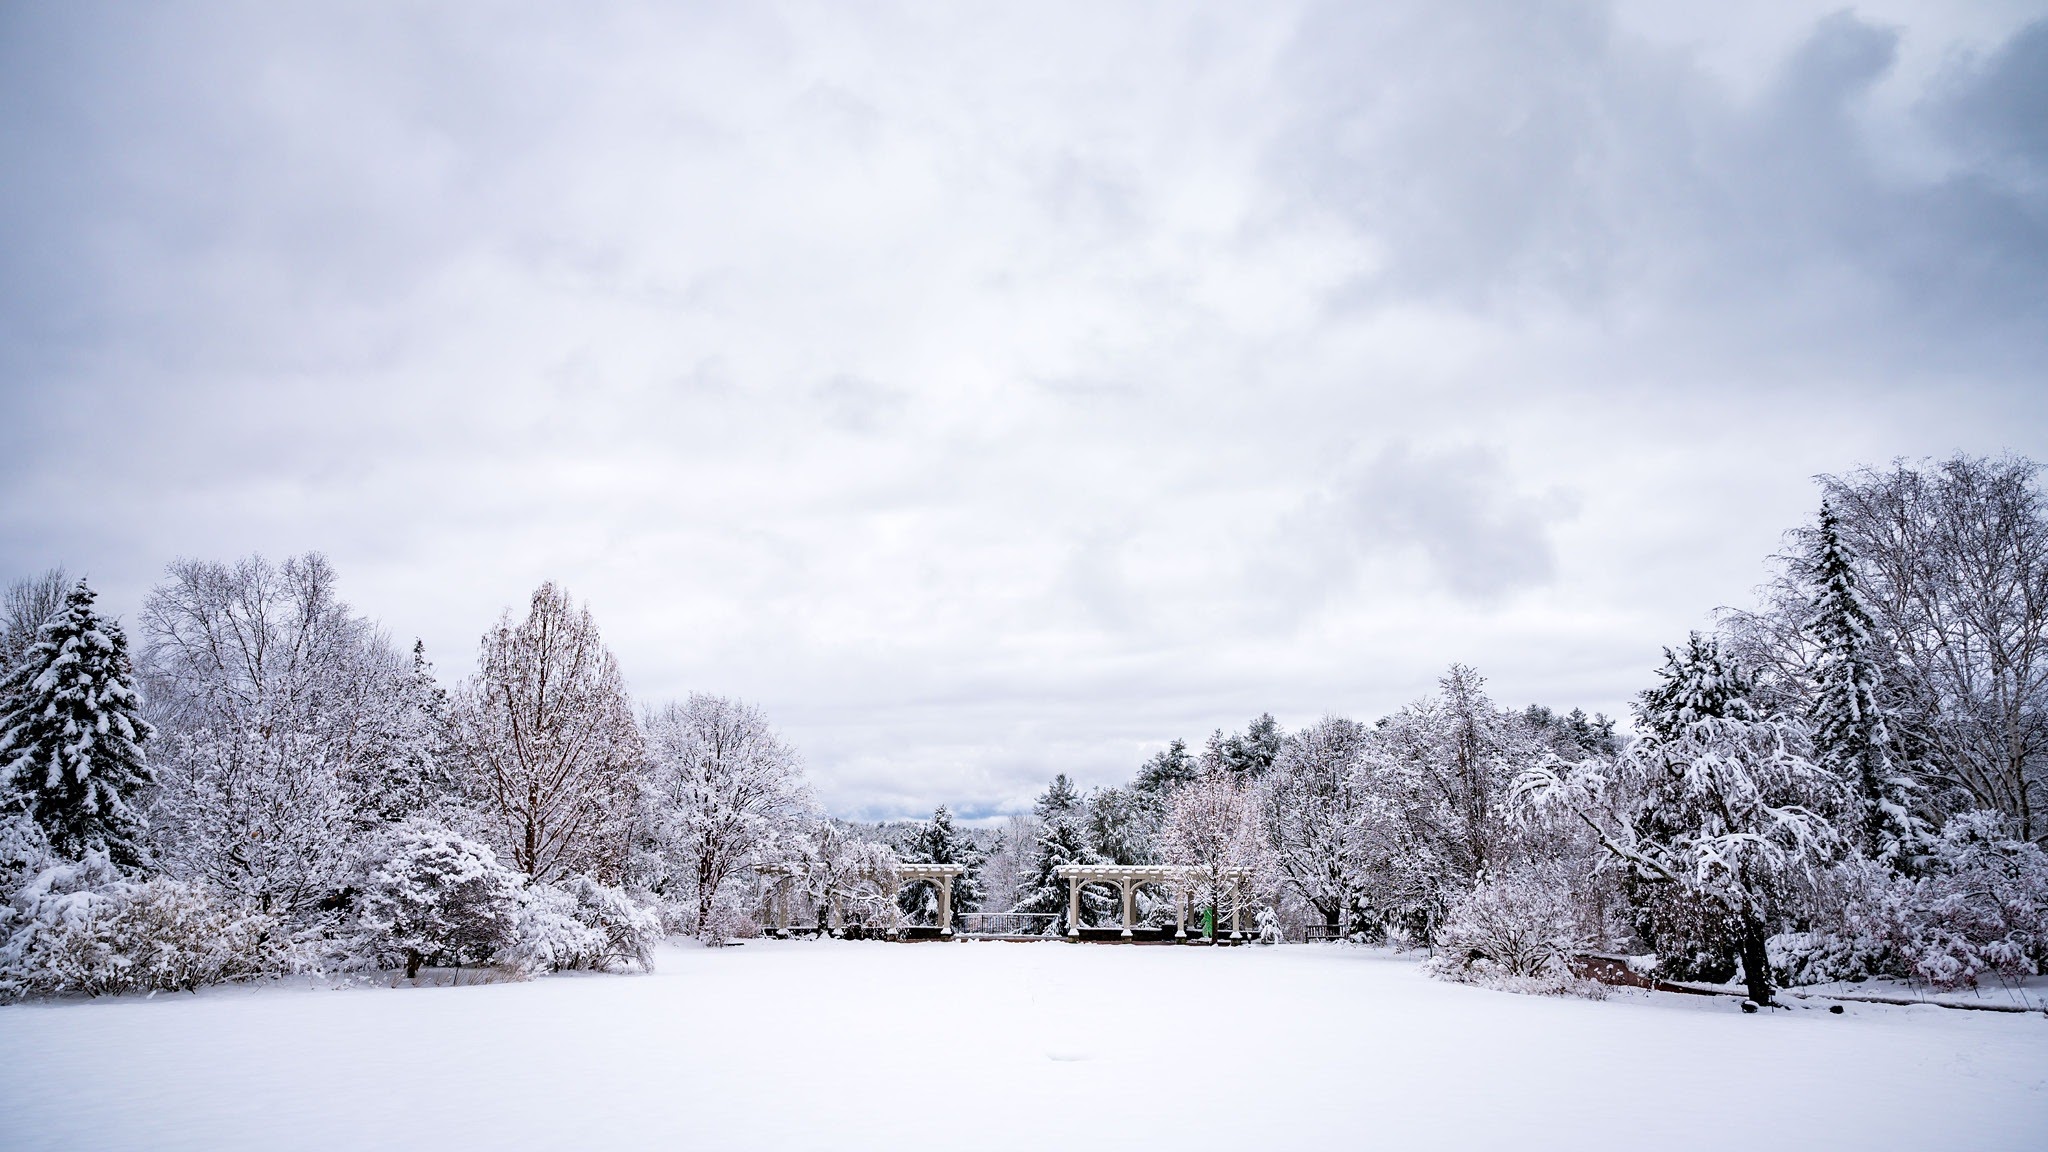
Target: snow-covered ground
[{"x": 985, "y": 1045}]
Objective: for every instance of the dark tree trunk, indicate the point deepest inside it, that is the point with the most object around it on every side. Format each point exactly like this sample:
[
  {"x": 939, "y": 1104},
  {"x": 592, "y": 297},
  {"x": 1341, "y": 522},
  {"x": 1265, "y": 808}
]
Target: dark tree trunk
[
  {"x": 412, "y": 963},
  {"x": 1756, "y": 966}
]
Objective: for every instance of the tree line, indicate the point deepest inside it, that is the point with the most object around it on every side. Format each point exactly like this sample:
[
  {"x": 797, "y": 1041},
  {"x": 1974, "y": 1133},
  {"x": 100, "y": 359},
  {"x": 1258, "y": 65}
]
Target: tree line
[
  {"x": 1845, "y": 781},
  {"x": 270, "y": 784}
]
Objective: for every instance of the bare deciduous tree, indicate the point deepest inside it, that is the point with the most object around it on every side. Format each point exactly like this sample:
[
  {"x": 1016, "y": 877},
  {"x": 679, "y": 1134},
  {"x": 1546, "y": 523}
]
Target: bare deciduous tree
[
  {"x": 274, "y": 702},
  {"x": 722, "y": 789},
  {"x": 1955, "y": 566},
  {"x": 552, "y": 754},
  {"x": 28, "y": 603},
  {"x": 1310, "y": 806}
]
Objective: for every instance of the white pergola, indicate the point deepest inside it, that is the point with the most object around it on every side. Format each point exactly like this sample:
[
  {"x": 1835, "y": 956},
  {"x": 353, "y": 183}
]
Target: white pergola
[
  {"x": 1127, "y": 877},
  {"x": 784, "y": 874}
]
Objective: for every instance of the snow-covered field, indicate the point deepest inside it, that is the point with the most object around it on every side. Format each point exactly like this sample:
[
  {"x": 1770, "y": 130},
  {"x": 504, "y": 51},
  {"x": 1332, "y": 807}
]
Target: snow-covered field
[{"x": 986, "y": 1045}]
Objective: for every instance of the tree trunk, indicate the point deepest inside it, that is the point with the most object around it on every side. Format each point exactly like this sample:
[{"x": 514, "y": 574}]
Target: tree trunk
[
  {"x": 1756, "y": 967},
  {"x": 412, "y": 963}
]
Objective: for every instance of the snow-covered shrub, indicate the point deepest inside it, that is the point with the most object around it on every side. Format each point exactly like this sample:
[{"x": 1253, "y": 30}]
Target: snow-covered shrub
[
  {"x": 1981, "y": 907},
  {"x": 82, "y": 927},
  {"x": 581, "y": 924},
  {"x": 729, "y": 920},
  {"x": 1518, "y": 932},
  {"x": 432, "y": 896}
]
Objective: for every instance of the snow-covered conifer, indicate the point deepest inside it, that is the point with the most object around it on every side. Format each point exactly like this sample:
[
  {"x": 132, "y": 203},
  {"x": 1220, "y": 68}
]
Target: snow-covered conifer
[
  {"x": 430, "y": 896},
  {"x": 1060, "y": 801},
  {"x": 1167, "y": 770},
  {"x": 940, "y": 842},
  {"x": 1696, "y": 683},
  {"x": 1848, "y": 720},
  {"x": 1122, "y": 825},
  {"x": 72, "y": 735},
  {"x": 1060, "y": 841}
]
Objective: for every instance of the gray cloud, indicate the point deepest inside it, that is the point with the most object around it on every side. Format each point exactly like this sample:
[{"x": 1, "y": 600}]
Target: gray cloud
[
  {"x": 1482, "y": 539},
  {"x": 999, "y": 391}
]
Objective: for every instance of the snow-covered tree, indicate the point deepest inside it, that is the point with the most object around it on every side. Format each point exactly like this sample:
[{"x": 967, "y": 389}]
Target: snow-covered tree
[
  {"x": 853, "y": 874},
  {"x": 72, "y": 735},
  {"x": 722, "y": 790},
  {"x": 429, "y": 895},
  {"x": 24, "y": 608},
  {"x": 410, "y": 771},
  {"x": 1517, "y": 930},
  {"x": 551, "y": 750},
  {"x": 1246, "y": 754},
  {"x": 1167, "y": 770},
  {"x": 1061, "y": 840},
  {"x": 1310, "y": 807},
  {"x": 278, "y": 710},
  {"x": 1848, "y": 720},
  {"x": 1212, "y": 831},
  {"x": 1950, "y": 562},
  {"x": 1122, "y": 823},
  {"x": 1697, "y": 682},
  {"x": 940, "y": 842},
  {"x": 1729, "y": 815},
  {"x": 1060, "y": 801}
]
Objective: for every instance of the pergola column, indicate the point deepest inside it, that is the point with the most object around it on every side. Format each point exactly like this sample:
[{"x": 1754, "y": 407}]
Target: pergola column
[
  {"x": 945, "y": 905},
  {"x": 1130, "y": 894},
  {"x": 1237, "y": 909},
  {"x": 1180, "y": 915},
  {"x": 1074, "y": 906}
]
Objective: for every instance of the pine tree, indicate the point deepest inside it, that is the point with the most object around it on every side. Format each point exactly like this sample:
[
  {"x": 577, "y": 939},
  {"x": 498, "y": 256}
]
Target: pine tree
[
  {"x": 72, "y": 734},
  {"x": 1061, "y": 801},
  {"x": 1167, "y": 770},
  {"x": 939, "y": 842},
  {"x": 1696, "y": 684},
  {"x": 1848, "y": 722},
  {"x": 1044, "y": 892}
]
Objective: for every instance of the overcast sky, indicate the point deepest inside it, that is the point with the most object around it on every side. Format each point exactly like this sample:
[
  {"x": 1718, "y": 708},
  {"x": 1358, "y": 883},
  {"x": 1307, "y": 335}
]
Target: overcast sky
[{"x": 990, "y": 391}]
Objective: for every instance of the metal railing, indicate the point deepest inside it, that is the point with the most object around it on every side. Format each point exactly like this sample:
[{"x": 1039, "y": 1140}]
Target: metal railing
[{"x": 1006, "y": 923}]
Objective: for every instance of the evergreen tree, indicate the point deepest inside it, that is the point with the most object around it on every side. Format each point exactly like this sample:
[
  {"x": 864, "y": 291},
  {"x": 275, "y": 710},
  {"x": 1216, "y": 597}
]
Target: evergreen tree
[
  {"x": 1698, "y": 683},
  {"x": 939, "y": 842},
  {"x": 1849, "y": 733},
  {"x": 1122, "y": 823},
  {"x": 1061, "y": 801},
  {"x": 406, "y": 770},
  {"x": 1694, "y": 939},
  {"x": 1246, "y": 755},
  {"x": 1167, "y": 770},
  {"x": 1043, "y": 891},
  {"x": 72, "y": 733}
]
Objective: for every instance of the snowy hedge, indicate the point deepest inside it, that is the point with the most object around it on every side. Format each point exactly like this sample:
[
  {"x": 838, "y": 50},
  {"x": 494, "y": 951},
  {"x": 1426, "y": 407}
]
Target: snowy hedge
[{"x": 82, "y": 927}]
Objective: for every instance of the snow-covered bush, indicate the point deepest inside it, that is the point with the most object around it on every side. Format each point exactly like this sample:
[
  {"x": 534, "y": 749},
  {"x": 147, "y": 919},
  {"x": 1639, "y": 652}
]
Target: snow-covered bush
[
  {"x": 1518, "y": 932},
  {"x": 1981, "y": 907},
  {"x": 82, "y": 927},
  {"x": 581, "y": 924},
  {"x": 729, "y": 920},
  {"x": 430, "y": 896}
]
